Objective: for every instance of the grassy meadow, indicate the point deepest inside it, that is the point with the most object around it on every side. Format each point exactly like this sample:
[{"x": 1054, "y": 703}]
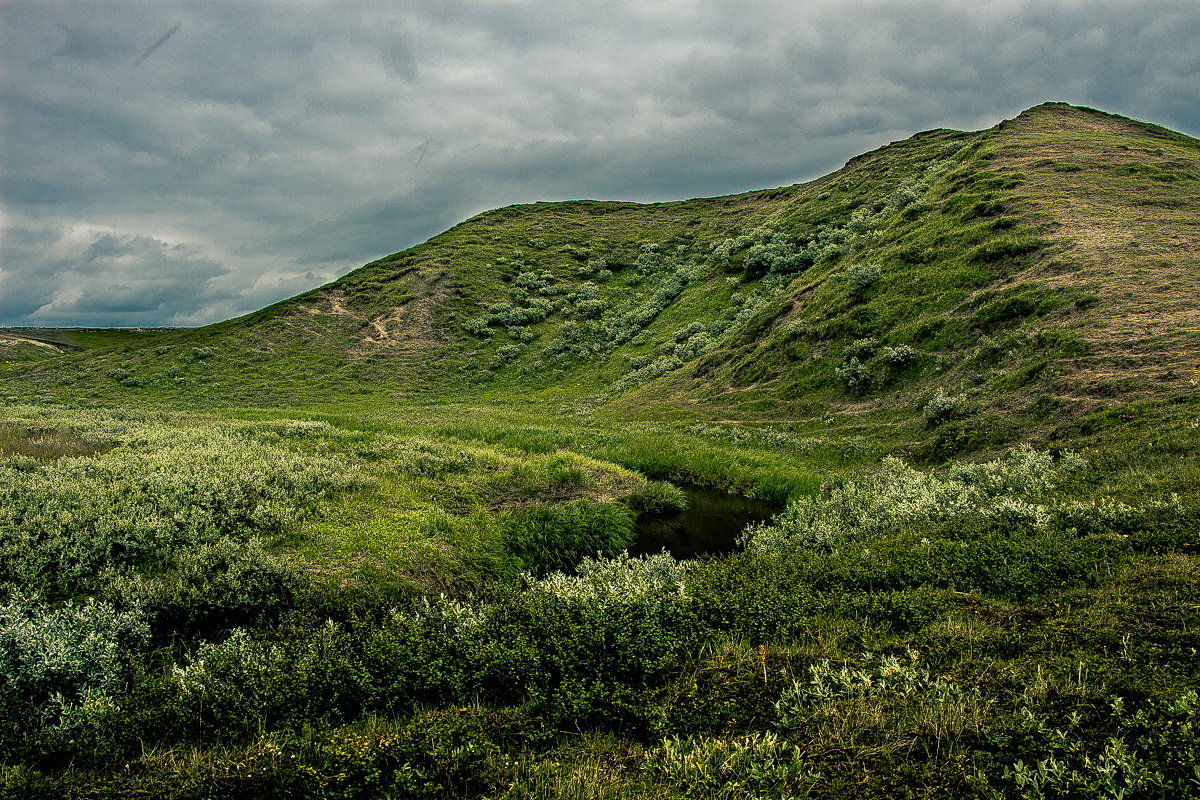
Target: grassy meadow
[
  {"x": 371, "y": 541},
  {"x": 432, "y": 601}
]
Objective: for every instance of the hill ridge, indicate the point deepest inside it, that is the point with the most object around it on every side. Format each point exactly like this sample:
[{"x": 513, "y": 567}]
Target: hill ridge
[{"x": 1036, "y": 272}]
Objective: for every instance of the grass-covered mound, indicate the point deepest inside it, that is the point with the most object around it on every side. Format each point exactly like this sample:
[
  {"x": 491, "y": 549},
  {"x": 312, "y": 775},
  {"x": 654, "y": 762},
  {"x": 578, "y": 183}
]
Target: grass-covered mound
[{"x": 958, "y": 291}]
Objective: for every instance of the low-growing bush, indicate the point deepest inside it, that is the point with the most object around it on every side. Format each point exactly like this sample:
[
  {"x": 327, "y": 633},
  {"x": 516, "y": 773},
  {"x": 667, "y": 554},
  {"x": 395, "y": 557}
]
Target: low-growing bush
[
  {"x": 943, "y": 407},
  {"x": 862, "y": 277},
  {"x": 853, "y": 374},
  {"x": 899, "y": 356},
  {"x": 216, "y": 587},
  {"x": 897, "y": 494},
  {"x": 67, "y": 662},
  {"x": 731, "y": 767}
]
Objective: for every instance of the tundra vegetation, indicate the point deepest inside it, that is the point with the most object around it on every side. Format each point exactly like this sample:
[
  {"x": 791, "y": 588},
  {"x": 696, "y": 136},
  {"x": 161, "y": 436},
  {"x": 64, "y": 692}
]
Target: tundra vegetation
[{"x": 371, "y": 541}]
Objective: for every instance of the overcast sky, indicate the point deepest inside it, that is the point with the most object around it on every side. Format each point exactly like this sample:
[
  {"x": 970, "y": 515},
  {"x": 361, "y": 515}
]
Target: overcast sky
[{"x": 177, "y": 163}]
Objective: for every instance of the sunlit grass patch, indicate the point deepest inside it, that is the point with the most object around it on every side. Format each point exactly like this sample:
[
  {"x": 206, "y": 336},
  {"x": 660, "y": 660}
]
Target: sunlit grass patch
[{"x": 45, "y": 444}]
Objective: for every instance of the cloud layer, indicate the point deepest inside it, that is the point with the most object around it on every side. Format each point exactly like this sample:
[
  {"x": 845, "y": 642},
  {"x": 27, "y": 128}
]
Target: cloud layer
[{"x": 183, "y": 162}]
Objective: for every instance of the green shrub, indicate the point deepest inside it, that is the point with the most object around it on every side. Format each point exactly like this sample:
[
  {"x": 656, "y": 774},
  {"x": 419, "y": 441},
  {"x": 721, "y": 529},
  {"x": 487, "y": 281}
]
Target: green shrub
[
  {"x": 592, "y": 645},
  {"x": 899, "y": 356},
  {"x": 247, "y": 683},
  {"x": 67, "y": 663},
  {"x": 897, "y": 494},
  {"x": 217, "y": 586},
  {"x": 504, "y": 356},
  {"x": 732, "y": 767},
  {"x": 943, "y": 407},
  {"x": 775, "y": 253},
  {"x": 855, "y": 375},
  {"x": 77, "y": 522},
  {"x": 862, "y": 277}
]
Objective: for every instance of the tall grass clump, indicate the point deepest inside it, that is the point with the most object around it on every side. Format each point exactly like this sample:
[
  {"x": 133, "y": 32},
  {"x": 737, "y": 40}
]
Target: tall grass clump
[
  {"x": 657, "y": 497},
  {"x": 547, "y": 538}
]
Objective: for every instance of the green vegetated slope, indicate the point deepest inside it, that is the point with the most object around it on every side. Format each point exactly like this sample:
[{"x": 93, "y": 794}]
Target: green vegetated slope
[
  {"x": 368, "y": 542},
  {"x": 1034, "y": 276}
]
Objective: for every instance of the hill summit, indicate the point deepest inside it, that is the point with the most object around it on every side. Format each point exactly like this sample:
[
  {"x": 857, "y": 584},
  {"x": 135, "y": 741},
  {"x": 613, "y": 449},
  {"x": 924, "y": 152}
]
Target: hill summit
[{"x": 1036, "y": 279}]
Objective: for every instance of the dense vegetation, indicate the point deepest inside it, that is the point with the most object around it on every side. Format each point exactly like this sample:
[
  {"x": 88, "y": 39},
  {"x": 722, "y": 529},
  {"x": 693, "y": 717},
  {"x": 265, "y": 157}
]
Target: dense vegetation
[{"x": 370, "y": 542}]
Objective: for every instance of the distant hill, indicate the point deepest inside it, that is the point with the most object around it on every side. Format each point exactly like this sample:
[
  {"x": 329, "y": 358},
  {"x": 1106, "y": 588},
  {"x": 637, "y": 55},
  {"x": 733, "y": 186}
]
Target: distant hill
[
  {"x": 29, "y": 344},
  {"x": 1036, "y": 280}
]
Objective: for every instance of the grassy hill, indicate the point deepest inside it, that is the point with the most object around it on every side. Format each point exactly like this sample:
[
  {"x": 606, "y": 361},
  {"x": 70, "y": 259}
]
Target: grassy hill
[
  {"x": 1034, "y": 276},
  {"x": 368, "y": 542},
  {"x": 31, "y": 344}
]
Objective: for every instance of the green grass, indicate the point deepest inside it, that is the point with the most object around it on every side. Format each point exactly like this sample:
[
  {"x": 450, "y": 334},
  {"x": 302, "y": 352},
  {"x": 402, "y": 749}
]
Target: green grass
[{"x": 352, "y": 638}]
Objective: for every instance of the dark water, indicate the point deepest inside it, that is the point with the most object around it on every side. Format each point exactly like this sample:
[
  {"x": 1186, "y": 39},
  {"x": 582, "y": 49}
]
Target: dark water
[{"x": 710, "y": 525}]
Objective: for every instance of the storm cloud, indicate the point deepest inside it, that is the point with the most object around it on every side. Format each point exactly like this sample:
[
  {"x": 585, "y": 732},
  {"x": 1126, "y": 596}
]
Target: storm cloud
[{"x": 180, "y": 163}]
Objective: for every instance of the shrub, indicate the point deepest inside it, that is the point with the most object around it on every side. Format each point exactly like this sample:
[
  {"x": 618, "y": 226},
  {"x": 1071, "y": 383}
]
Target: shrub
[
  {"x": 63, "y": 661},
  {"x": 602, "y": 638},
  {"x": 942, "y": 407},
  {"x": 853, "y": 374},
  {"x": 622, "y": 579},
  {"x": 594, "y": 269},
  {"x": 731, "y": 767},
  {"x": 897, "y": 494},
  {"x": 862, "y": 277},
  {"x": 649, "y": 260},
  {"x": 899, "y": 356},
  {"x": 879, "y": 703},
  {"x": 478, "y": 326},
  {"x": 541, "y": 281},
  {"x": 860, "y": 349},
  {"x": 78, "y": 522},
  {"x": 723, "y": 251},
  {"x": 504, "y": 355},
  {"x": 218, "y": 586},
  {"x": 249, "y": 683},
  {"x": 777, "y": 254},
  {"x": 871, "y": 675}
]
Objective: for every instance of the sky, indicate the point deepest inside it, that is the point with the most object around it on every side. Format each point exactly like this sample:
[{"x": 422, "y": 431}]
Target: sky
[{"x": 179, "y": 163}]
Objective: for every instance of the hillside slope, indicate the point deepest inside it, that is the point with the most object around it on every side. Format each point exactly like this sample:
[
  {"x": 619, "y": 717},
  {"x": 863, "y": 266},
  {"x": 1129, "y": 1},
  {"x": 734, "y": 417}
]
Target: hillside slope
[
  {"x": 375, "y": 540},
  {"x": 1033, "y": 277}
]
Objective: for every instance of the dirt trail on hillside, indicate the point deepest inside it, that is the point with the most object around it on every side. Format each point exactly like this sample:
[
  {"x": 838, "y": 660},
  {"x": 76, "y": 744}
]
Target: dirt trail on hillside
[{"x": 406, "y": 329}]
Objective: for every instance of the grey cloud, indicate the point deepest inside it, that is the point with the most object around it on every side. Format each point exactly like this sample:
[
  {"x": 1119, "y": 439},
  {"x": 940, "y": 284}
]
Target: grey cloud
[
  {"x": 89, "y": 43},
  {"x": 287, "y": 140},
  {"x": 97, "y": 278}
]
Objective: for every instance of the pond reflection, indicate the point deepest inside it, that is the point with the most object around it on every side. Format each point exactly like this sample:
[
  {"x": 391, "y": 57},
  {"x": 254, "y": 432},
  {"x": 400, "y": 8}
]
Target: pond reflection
[{"x": 711, "y": 524}]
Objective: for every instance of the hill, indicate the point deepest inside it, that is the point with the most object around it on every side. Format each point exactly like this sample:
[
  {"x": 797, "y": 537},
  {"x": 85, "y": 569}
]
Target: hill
[
  {"x": 373, "y": 541},
  {"x": 1034, "y": 276},
  {"x": 26, "y": 344}
]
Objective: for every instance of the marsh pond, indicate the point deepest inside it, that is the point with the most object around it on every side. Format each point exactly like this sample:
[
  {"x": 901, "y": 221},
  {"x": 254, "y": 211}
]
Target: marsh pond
[{"x": 710, "y": 524}]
